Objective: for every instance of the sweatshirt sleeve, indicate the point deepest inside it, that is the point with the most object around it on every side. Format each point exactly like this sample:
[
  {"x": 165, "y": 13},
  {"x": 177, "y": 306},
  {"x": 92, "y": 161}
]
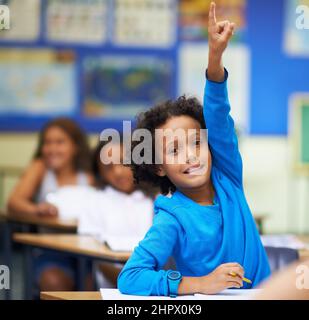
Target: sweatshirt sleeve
[
  {"x": 143, "y": 274},
  {"x": 222, "y": 137}
]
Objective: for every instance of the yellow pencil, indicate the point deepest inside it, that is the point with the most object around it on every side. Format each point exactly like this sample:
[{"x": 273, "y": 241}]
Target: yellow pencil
[{"x": 243, "y": 279}]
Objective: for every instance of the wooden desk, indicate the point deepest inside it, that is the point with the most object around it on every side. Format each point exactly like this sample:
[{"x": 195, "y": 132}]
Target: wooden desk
[
  {"x": 71, "y": 295},
  {"x": 83, "y": 248},
  {"x": 55, "y": 223},
  {"x": 76, "y": 244},
  {"x": 87, "y": 246}
]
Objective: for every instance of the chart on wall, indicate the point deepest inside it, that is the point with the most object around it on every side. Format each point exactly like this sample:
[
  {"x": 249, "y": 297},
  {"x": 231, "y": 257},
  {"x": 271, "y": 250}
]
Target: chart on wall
[
  {"x": 296, "y": 27},
  {"x": 24, "y": 20},
  {"x": 193, "y": 51},
  {"x": 95, "y": 60},
  {"x": 37, "y": 82},
  {"x": 192, "y": 62},
  {"x": 76, "y": 21},
  {"x": 120, "y": 87},
  {"x": 145, "y": 23}
]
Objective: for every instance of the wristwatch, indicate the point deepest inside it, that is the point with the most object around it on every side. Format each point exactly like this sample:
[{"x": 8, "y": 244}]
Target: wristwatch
[{"x": 174, "y": 278}]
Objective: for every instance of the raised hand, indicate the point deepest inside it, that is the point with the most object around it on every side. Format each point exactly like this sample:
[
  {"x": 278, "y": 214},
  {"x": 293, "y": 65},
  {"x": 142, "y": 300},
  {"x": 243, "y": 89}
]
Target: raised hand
[
  {"x": 45, "y": 209},
  {"x": 219, "y": 34}
]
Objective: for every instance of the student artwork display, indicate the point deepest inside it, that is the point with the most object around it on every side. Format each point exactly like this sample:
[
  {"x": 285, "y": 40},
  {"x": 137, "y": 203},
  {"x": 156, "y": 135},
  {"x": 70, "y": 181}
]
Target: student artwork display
[
  {"x": 121, "y": 86},
  {"x": 76, "y": 21},
  {"x": 121, "y": 29},
  {"x": 145, "y": 22},
  {"x": 24, "y": 19},
  {"x": 296, "y": 27},
  {"x": 193, "y": 17},
  {"x": 36, "y": 82}
]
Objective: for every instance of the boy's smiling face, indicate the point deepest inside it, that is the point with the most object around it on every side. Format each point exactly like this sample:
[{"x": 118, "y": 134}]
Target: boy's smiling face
[{"x": 186, "y": 160}]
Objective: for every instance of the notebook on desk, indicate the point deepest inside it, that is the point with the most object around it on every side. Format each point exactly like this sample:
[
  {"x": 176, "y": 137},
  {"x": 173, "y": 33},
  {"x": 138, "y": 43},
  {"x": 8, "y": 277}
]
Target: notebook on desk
[{"x": 231, "y": 294}]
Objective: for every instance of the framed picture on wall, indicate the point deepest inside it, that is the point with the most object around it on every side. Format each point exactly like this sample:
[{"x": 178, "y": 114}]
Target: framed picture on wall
[
  {"x": 120, "y": 86},
  {"x": 296, "y": 27},
  {"x": 37, "y": 82},
  {"x": 299, "y": 131}
]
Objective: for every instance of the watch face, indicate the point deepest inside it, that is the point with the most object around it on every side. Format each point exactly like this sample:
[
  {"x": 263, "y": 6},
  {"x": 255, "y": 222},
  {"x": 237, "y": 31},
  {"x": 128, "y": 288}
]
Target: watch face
[{"x": 174, "y": 275}]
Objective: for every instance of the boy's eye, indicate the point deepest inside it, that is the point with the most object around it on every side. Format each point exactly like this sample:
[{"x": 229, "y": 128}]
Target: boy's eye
[
  {"x": 173, "y": 151},
  {"x": 196, "y": 142}
]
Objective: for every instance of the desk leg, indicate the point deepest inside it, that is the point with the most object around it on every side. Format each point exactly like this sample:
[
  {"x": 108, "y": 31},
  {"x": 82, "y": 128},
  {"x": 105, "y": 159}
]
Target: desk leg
[
  {"x": 94, "y": 268},
  {"x": 81, "y": 273},
  {"x": 8, "y": 255},
  {"x": 28, "y": 274}
]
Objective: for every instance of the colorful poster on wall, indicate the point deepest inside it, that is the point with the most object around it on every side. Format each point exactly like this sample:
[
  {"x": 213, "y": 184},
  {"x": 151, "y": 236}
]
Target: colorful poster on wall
[
  {"x": 77, "y": 21},
  {"x": 145, "y": 22},
  {"x": 193, "y": 59},
  {"x": 37, "y": 82},
  {"x": 193, "y": 18},
  {"x": 296, "y": 27},
  {"x": 24, "y": 20},
  {"x": 121, "y": 86}
]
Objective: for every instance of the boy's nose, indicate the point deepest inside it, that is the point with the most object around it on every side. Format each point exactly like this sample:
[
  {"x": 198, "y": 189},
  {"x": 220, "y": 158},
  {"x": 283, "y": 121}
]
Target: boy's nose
[{"x": 191, "y": 158}]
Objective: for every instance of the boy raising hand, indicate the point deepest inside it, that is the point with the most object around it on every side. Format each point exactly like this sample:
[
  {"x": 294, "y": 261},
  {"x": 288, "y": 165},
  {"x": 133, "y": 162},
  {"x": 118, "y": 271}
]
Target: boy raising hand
[{"x": 202, "y": 218}]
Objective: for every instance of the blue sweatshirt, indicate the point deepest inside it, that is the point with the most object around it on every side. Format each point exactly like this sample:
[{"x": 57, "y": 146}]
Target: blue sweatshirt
[{"x": 200, "y": 238}]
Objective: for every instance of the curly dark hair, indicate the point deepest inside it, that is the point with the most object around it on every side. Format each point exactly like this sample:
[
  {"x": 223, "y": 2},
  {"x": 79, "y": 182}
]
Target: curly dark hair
[{"x": 151, "y": 120}]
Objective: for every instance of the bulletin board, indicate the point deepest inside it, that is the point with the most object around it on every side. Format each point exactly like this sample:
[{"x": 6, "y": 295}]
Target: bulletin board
[
  {"x": 114, "y": 58},
  {"x": 96, "y": 61},
  {"x": 109, "y": 55},
  {"x": 296, "y": 40}
]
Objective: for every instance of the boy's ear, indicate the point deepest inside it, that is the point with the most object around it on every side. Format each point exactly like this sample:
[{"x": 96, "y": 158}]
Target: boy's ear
[{"x": 160, "y": 171}]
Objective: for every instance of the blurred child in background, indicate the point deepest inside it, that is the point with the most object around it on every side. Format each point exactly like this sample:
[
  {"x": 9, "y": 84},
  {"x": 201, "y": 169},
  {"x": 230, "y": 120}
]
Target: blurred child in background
[
  {"x": 62, "y": 158},
  {"x": 122, "y": 210}
]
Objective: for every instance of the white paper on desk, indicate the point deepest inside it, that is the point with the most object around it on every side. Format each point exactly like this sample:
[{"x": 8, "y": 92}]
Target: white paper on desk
[
  {"x": 118, "y": 243},
  {"x": 230, "y": 294},
  {"x": 114, "y": 294},
  {"x": 283, "y": 241}
]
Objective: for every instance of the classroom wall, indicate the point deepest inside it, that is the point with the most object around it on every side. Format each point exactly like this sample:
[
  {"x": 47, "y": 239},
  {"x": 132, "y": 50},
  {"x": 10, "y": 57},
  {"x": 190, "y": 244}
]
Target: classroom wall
[
  {"x": 276, "y": 75},
  {"x": 271, "y": 186}
]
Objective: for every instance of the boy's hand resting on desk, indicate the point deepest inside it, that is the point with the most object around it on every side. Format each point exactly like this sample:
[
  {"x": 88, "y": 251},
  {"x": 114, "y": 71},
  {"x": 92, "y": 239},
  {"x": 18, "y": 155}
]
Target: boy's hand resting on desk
[
  {"x": 219, "y": 34},
  {"x": 46, "y": 209},
  {"x": 221, "y": 278}
]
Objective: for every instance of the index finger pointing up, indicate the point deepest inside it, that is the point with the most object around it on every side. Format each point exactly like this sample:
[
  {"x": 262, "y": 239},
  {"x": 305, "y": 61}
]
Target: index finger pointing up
[{"x": 212, "y": 14}]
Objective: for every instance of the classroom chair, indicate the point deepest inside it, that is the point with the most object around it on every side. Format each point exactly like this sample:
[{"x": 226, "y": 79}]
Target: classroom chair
[{"x": 280, "y": 257}]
